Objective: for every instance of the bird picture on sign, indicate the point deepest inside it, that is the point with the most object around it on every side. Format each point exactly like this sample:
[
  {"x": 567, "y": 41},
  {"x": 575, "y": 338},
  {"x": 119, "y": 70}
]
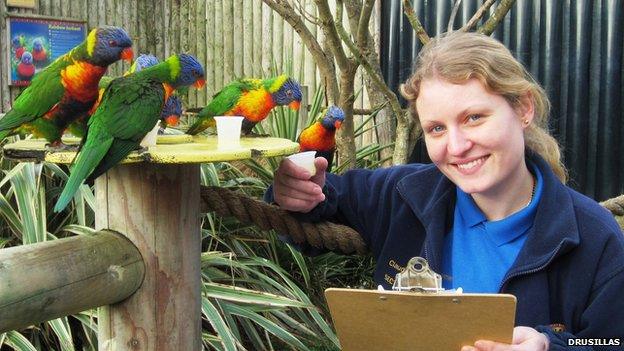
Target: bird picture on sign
[{"x": 36, "y": 42}]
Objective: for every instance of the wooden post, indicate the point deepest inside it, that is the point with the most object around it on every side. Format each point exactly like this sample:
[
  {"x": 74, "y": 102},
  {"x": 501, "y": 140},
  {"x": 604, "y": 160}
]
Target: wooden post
[
  {"x": 47, "y": 280},
  {"x": 157, "y": 207}
]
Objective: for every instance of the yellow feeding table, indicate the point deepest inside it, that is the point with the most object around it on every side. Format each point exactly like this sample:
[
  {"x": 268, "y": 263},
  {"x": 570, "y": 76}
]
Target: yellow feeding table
[{"x": 153, "y": 198}]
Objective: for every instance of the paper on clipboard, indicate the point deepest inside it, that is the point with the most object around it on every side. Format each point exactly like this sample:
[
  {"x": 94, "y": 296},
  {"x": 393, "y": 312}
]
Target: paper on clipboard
[{"x": 392, "y": 320}]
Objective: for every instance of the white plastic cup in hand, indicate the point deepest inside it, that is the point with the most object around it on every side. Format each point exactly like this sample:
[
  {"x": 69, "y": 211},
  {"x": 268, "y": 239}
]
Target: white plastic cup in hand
[
  {"x": 228, "y": 131},
  {"x": 306, "y": 160}
]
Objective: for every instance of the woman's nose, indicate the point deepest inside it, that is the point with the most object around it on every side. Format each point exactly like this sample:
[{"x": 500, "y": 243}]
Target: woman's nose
[{"x": 458, "y": 143}]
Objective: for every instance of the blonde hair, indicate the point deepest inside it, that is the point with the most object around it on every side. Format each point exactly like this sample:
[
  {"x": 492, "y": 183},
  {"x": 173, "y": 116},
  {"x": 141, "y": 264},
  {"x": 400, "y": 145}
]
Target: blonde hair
[{"x": 459, "y": 56}]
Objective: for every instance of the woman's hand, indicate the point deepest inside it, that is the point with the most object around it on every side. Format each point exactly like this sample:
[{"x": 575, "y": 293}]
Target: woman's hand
[
  {"x": 295, "y": 190},
  {"x": 524, "y": 339}
]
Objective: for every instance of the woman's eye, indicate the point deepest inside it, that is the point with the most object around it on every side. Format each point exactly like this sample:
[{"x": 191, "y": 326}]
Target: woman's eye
[
  {"x": 436, "y": 129},
  {"x": 474, "y": 117}
]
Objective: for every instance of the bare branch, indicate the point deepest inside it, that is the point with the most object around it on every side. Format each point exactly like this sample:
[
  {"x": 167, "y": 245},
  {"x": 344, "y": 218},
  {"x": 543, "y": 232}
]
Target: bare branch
[
  {"x": 421, "y": 33},
  {"x": 324, "y": 62},
  {"x": 497, "y": 16},
  {"x": 449, "y": 28},
  {"x": 306, "y": 15},
  {"x": 477, "y": 16},
  {"x": 375, "y": 77},
  {"x": 362, "y": 31},
  {"x": 354, "y": 9},
  {"x": 339, "y": 7},
  {"x": 329, "y": 28}
]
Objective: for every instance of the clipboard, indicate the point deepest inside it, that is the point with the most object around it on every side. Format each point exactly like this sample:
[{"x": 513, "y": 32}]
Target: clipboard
[{"x": 395, "y": 320}]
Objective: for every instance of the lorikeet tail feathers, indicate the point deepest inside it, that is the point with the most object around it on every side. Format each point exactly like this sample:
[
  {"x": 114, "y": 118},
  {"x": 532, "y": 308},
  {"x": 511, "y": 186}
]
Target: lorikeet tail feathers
[
  {"x": 199, "y": 126},
  {"x": 89, "y": 157},
  {"x": 118, "y": 150}
]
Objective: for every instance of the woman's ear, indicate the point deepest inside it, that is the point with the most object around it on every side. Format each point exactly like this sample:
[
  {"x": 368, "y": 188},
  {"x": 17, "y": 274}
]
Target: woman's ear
[{"x": 526, "y": 110}]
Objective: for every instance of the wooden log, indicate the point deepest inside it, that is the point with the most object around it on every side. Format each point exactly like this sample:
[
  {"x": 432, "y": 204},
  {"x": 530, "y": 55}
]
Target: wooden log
[
  {"x": 56, "y": 278},
  {"x": 157, "y": 207}
]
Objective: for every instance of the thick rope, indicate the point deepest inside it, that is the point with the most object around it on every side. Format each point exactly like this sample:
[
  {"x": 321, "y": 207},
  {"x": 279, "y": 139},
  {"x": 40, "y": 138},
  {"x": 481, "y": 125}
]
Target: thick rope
[
  {"x": 335, "y": 237},
  {"x": 227, "y": 203},
  {"x": 616, "y": 206}
]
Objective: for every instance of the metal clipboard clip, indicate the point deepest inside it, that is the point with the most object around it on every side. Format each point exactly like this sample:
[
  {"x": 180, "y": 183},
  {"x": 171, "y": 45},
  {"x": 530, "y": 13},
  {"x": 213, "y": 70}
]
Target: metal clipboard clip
[{"x": 418, "y": 277}]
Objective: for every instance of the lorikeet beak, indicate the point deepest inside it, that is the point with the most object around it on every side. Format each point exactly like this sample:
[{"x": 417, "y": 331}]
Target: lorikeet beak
[
  {"x": 127, "y": 54},
  {"x": 199, "y": 83},
  {"x": 294, "y": 105},
  {"x": 172, "y": 120},
  {"x": 337, "y": 124}
]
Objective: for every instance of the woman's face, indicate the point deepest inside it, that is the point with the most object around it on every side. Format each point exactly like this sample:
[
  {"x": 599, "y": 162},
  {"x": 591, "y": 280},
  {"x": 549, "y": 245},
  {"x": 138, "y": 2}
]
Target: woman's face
[{"x": 473, "y": 136}]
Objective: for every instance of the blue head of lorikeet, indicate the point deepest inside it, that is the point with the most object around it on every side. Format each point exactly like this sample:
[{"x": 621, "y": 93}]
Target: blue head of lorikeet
[
  {"x": 288, "y": 94},
  {"x": 333, "y": 118},
  {"x": 110, "y": 44},
  {"x": 142, "y": 62},
  {"x": 191, "y": 72},
  {"x": 172, "y": 111},
  {"x": 27, "y": 58},
  {"x": 18, "y": 41},
  {"x": 37, "y": 45}
]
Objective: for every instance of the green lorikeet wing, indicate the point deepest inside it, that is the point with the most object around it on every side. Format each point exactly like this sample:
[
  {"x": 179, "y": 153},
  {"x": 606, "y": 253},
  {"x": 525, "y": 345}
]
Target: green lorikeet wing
[
  {"x": 222, "y": 102},
  {"x": 44, "y": 92},
  {"x": 129, "y": 109}
]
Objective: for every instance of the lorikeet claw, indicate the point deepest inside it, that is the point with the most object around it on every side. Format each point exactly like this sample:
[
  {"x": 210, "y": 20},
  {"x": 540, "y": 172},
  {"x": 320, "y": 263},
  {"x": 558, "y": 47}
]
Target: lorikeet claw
[{"x": 58, "y": 146}]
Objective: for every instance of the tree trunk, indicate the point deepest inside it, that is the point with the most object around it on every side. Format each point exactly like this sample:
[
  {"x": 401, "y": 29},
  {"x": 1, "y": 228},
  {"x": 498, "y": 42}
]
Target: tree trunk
[
  {"x": 404, "y": 139},
  {"x": 345, "y": 139}
]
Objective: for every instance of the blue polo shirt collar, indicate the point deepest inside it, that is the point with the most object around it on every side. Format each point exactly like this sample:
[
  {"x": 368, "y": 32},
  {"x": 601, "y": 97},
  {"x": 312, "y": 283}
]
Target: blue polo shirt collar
[{"x": 499, "y": 231}]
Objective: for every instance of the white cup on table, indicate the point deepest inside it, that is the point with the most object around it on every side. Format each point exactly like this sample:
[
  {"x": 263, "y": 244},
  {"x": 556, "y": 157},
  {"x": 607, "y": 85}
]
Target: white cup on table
[{"x": 228, "y": 131}]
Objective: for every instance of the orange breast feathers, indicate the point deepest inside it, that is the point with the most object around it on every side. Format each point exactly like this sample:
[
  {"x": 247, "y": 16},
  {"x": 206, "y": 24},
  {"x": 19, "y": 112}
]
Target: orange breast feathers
[
  {"x": 317, "y": 138},
  {"x": 81, "y": 79},
  {"x": 168, "y": 90},
  {"x": 255, "y": 105}
]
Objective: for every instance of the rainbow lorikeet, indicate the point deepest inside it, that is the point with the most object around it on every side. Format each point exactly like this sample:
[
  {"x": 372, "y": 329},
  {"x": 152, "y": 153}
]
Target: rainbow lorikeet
[
  {"x": 39, "y": 53},
  {"x": 172, "y": 110},
  {"x": 67, "y": 88},
  {"x": 320, "y": 136},
  {"x": 18, "y": 43},
  {"x": 26, "y": 68},
  {"x": 130, "y": 108},
  {"x": 79, "y": 126},
  {"x": 250, "y": 98}
]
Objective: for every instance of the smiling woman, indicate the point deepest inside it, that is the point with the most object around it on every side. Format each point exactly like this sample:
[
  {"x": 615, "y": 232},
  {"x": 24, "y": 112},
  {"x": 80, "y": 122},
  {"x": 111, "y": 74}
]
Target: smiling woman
[{"x": 492, "y": 214}]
